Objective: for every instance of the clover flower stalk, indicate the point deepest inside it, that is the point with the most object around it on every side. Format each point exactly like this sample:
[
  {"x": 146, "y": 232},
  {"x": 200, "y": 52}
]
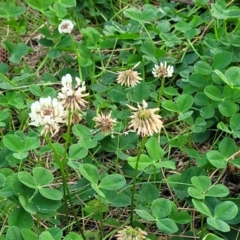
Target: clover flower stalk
[
  {"x": 105, "y": 123},
  {"x": 144, "y": 121},
  {"x": 129, "y": 77},
  {"x": 61, "y": 161},
  {"x": 47, "y": 113},
  {"x": 129, "y": 233},
  {"x": 72, "y": 97},
  {"x": 66, "y": 26}
]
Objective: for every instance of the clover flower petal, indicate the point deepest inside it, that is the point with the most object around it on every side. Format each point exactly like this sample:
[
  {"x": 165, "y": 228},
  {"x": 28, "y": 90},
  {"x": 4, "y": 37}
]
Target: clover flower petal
[
  {"x": 131, "y": 233},
  {"x": 162, "y": 70},
  {"x": 72, "y": 97},
  {"x": 144, "y": 121},
  {"x": 48, "y": 113},
  {"x": 129, "y": 77},
  {"x": 66, "y": 26},
  {"x": 105, "y": 122}
]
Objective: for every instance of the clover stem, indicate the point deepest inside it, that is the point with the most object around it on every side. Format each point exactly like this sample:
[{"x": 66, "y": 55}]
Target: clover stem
[
  {"x": 66, "y": 191},
  {"x": 161, "y": 91},
  {"x": 142, "y": 145}
]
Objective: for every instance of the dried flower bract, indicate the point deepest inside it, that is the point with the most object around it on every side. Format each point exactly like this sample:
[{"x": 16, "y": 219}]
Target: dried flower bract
[
  {"x": 129, "y": 77},
  {"x": 144, "y": 121},
  {"x": 129, "y": 233},
  {"x": 105, "y": 122},
  {"x": 66, "y": 26},
  {"x": 48, "y": 113},
  {"x": 163, "y": 70}
]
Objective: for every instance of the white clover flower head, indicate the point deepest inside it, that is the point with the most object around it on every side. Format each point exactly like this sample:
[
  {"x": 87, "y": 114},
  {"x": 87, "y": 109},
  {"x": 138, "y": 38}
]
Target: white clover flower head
[
  {"x": 66, "y": 26},
  {"x": 162, "y": 70},
  {"x": 144, "y": 121},
  {"x": 129, "y": 77},
  {"x": 105, "y": 122},
  {"x": 71, "y": 96},
  {"x": 131, "y": 233},
  {"x": 48, "y": 113}
]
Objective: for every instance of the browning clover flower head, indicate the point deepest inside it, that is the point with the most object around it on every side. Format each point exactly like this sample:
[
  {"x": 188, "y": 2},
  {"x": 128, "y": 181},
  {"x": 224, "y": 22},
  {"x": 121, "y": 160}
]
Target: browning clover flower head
[
  {"x": 144, "y": 121},
  {"x": 129, "y": 77},
  {"x": 72, "y": 97},
  {"x": 47, "y": 112},
  {"x": 163, "y": 70},
  {"x": 129, "y": 233},
  {"x": 105, "y": 122},
  {"x": 66, "y": 26}
]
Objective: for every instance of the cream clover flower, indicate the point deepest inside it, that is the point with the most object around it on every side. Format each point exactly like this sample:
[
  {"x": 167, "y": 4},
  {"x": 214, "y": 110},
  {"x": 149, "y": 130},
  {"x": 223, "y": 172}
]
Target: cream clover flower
[
  {"x": 72, "y": 97},
  {"x": 105, "y": 122},
  {"x": 48, "y": 113},
  {"x": 129, "y": 233},
  {"x": 145, "y": 121},
  {"x": 129, "y": 77},
  {"x": 163, "y": 70},
  {"x": 66, "y": 26}
]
